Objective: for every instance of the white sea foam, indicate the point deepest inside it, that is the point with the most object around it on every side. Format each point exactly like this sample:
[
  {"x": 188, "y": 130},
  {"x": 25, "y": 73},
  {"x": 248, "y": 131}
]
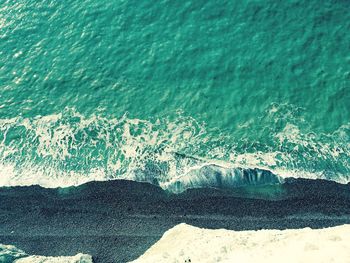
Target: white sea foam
[
  {"x": 185, "y": 243},
  {"x": 69, "y": 148}
]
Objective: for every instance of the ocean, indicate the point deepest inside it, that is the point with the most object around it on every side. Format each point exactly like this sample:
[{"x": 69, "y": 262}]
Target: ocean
[{"x": 156, "y": 90}]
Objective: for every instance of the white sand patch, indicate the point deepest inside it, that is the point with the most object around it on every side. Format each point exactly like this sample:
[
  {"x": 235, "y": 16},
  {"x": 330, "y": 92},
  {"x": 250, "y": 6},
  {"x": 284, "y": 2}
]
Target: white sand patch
[{"x": 185, "y": 243}]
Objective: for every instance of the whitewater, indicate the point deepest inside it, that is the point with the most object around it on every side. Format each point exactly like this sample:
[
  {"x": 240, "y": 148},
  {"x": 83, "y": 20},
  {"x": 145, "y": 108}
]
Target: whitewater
[{"x": 70, "y": 149}]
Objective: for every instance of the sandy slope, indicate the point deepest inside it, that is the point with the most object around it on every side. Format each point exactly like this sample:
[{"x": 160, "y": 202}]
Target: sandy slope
[{"x": 185, "y": 243}]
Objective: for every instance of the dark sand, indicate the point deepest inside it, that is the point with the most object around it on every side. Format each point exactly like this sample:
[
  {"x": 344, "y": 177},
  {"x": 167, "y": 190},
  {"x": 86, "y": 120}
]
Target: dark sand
[{"x": 117, "y": 221}]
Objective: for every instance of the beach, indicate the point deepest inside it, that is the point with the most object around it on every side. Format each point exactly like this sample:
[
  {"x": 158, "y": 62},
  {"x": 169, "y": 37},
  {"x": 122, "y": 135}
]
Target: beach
[{"x": 117, "y": 221}]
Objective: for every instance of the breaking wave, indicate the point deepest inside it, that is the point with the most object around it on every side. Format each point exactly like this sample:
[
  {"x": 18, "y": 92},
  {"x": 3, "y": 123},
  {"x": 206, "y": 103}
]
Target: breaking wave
[{"x": 69, "y": 149}]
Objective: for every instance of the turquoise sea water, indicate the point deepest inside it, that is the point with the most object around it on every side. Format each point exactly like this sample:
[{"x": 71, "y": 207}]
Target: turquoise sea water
[{"x": 96, "y": 89}]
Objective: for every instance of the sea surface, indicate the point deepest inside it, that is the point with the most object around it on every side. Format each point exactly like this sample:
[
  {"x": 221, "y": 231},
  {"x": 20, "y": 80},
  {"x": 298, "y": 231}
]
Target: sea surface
[{"x": 154, "y": 90}]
